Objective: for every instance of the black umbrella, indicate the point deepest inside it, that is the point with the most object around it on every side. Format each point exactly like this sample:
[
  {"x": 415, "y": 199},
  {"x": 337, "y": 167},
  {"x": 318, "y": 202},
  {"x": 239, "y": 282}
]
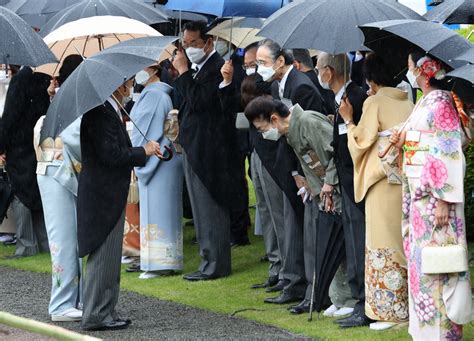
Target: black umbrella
[
  {"x": 37, "y": 12},
  {"x": 20, "y": 44},
  {"x": 330, "y": 251},
  {"x": 463, "y": 82},
  {"x": 98, "y": 77},
  {"x": 393, "y": 40},
  {"x": 90, "y": 8},
  {"x": 452, "y": 12},
  {"x": 329, "y": 25}
]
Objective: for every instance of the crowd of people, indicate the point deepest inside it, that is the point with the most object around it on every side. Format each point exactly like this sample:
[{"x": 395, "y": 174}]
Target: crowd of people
[{"x": 334, "y": 143}]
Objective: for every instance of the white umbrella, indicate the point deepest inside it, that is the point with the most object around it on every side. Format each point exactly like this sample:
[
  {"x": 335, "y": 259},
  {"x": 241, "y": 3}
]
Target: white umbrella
[
  {"x": 90, "y": 35},
  {"x": 240, "y": 31}
]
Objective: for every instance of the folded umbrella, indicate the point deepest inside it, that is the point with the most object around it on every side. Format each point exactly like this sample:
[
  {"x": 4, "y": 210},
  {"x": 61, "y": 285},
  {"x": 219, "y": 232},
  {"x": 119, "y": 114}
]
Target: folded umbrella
[
  {"x": 452, "y": 12},
  {"x": 240, "y": 31},
  {"x": 98, "y": 77},
  {"x": 329, "y": 25},
  {"x": 91, "y": 8},
  {"x": 88, "y": 36},
  {"x": 330, "y": 252},
  {"x": 20, "y": 44},
  {"x": 393, "y": 40},
  {"x": 37, "y": 12}
]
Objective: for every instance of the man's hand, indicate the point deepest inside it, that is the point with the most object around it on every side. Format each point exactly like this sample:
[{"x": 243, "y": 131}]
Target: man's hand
[
  {"x": 3, "y": 158},
  {"x": 441, "y": 213},
  {"x": 345, "y": 110},
  {"x": 53, "y": 84},
  {"x": 227, "y": 72},
  {"x": 327, "y": 191},
  {"x": 300, "y": 181},
  {"x": 153, "y": 148},
  {"x": 180, "y": 62}
]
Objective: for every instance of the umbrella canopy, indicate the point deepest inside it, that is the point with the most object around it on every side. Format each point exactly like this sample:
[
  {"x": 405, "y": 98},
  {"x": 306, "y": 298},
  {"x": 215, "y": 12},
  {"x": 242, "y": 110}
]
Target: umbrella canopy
[
  {"x": 91, "y": 8},
  {"x": 90, "y": 35},
  {"x": 172, "y": 14},
  {"x": 228, "y": 8},
  {"x": 330, "y": 251},
  {"x": 19, "y": 44},
  {"x": 452, "y": 12},
  {"x": 241, "y": 32},
  {"x": 463, "y": 82},
  {"x": 37, "y": 12},
  {"x": 98, "y": 77},
  {"x": 393, "y": 39},
  {"x": 329, "y": 25}
]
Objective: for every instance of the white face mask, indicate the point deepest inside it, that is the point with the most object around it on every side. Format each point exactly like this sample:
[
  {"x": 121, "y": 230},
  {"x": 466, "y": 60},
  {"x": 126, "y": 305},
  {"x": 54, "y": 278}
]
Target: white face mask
[
  {"x": 323, "y": 84},
  {"x": 4, "y": 77},
  {"x": 412, "y": 79},
  {"x": 221, "y": 47},
  {"x": 250, "y": 71},
  {"x": 271, "y": 134},
  {"x": 195, "y": 55},
  {"x": 142, "y": 77},
  {"x": 266, "y": 72}
]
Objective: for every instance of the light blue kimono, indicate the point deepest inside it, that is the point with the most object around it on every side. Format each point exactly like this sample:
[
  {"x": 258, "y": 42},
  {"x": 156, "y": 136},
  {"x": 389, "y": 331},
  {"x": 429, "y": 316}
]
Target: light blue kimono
[
  {"x": 58, "y": 187},
  {"x": 160, "y": 185}
]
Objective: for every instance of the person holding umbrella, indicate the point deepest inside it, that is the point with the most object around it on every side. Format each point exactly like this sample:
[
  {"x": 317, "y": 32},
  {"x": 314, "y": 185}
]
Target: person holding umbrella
[
  {"x": 334, "y": 73},
  {"x": 107, "y": 160},
  {"x": 433, "y": 206}
]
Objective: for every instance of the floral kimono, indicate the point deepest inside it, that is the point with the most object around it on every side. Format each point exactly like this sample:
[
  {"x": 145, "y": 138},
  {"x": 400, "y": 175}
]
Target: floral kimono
[{"x": 433, "y": 169}]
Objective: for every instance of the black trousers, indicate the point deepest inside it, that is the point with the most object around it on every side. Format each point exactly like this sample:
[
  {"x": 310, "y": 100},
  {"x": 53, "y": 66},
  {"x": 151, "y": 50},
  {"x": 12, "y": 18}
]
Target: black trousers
[
  {"x": 353, "y": 220},
  {"x": 239, "y": 215}
]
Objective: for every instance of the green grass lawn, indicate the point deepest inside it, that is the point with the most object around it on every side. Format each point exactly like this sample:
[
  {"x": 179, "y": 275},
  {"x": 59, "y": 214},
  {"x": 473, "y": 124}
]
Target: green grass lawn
[{"x": 228, "y": 295}]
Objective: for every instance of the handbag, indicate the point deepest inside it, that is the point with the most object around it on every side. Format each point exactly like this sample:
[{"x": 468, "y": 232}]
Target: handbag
[
  {"x": 171, "y": 130},
  {"x": 133, "y": 195},
  {"x": 6, "y": 194},
  {"x": 390, "y": 161},
  {"x": 443, "y": 259}
]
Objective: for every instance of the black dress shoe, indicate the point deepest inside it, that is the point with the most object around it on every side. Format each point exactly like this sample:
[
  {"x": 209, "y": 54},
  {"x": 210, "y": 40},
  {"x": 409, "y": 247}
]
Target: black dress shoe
[
  {"x": 356, "y": 320},
  {"x": 243, "y": 242},
  {"x": 114, "y": 325},
  {"x": 283, "y": 298},
  {"x": 10, "y": 242},
  {"x": 198, "y": 276},
  {"x": 264, "y": 259},
  {"x": 301, "y": 308},
  {"x": 271, "y": 281},
  {"x": 279, "y": 286}
]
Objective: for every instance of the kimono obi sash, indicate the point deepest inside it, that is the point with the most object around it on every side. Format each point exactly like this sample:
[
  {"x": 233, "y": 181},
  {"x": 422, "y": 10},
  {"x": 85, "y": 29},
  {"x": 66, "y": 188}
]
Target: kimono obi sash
[
  {"x": 48, "y": 152},
  {"x": 415, "y": 151}
]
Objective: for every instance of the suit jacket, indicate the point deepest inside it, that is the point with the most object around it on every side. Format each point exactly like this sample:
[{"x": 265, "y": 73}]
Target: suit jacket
[
  {"x": 328, "y": 95},
  {"x": 107, "y": 160},
  {"x": 206, "y": 133},
  {"x": 300, "y": 90},
  {"x": 345, "y": 167},
  {"x": 27, "y": 100}
]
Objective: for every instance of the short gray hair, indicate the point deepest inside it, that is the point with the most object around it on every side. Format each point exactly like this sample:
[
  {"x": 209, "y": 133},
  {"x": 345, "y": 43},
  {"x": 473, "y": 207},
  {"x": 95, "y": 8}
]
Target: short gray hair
[
  {"x": 276, "y": 51},
  {"x": 340, "y": 63}
]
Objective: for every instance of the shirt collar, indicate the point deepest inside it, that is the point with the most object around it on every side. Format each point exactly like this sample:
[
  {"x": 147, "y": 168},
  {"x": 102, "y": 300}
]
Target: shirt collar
[
  {"x": 115, "y": 106},
  {"x": 285, "y": 77},
  {"x": 201, "y": 64},
  {"x": 339, "y": 95}
]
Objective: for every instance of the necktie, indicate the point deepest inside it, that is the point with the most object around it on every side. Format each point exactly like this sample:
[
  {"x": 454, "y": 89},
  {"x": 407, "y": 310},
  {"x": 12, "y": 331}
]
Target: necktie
[
  {"x": 336, "y": 110},
  {"x": 195, "y": 71}
]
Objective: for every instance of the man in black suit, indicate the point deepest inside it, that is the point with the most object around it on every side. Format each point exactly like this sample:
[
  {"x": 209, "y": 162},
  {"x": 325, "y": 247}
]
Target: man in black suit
[
  {"x": 107, "y": 160},
  {"x": 27, "y": 100},
  {"x": 292, "y": 87},
  {"x": 334, "y": 73},
  {"x": 210, "y": 157},
  {"x": 304, "y": 64}
]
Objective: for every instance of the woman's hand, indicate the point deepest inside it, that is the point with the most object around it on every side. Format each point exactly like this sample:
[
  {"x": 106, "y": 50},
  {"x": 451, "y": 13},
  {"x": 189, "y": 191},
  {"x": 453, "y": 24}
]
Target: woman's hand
[
  {"x": 441, "y": 213},
  {"x": 345, "y": 109},
  {"x": 397, "y": 139}
]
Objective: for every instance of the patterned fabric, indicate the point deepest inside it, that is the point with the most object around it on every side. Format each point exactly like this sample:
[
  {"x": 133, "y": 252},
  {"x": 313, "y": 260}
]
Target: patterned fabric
[{"x": 434, "y": 169}]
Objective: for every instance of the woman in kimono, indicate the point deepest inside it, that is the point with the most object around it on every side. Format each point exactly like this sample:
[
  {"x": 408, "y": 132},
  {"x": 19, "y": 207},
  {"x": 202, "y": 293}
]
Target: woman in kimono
[
  {"x": 433, "y": 204},
  {"x": 386, "y": 290},
  {"x": 159, "y": 182},
  {"x": 57, "y": 172}
]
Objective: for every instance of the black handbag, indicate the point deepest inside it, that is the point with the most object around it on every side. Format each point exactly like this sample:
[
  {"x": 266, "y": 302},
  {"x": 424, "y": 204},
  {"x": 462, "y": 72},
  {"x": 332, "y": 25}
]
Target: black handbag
[{"x": 6, "y": 194}]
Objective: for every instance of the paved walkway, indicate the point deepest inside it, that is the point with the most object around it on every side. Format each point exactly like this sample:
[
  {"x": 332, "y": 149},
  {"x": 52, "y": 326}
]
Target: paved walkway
[{"x": 27, "y": 294}]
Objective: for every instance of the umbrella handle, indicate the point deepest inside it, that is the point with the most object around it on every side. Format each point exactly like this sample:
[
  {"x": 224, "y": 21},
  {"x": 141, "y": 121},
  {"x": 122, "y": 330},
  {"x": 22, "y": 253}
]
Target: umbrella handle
[
  {"x": 170, "y": 154},
  {"x": 384, "y": 152},
  {"x": 310, "y": 318}
]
